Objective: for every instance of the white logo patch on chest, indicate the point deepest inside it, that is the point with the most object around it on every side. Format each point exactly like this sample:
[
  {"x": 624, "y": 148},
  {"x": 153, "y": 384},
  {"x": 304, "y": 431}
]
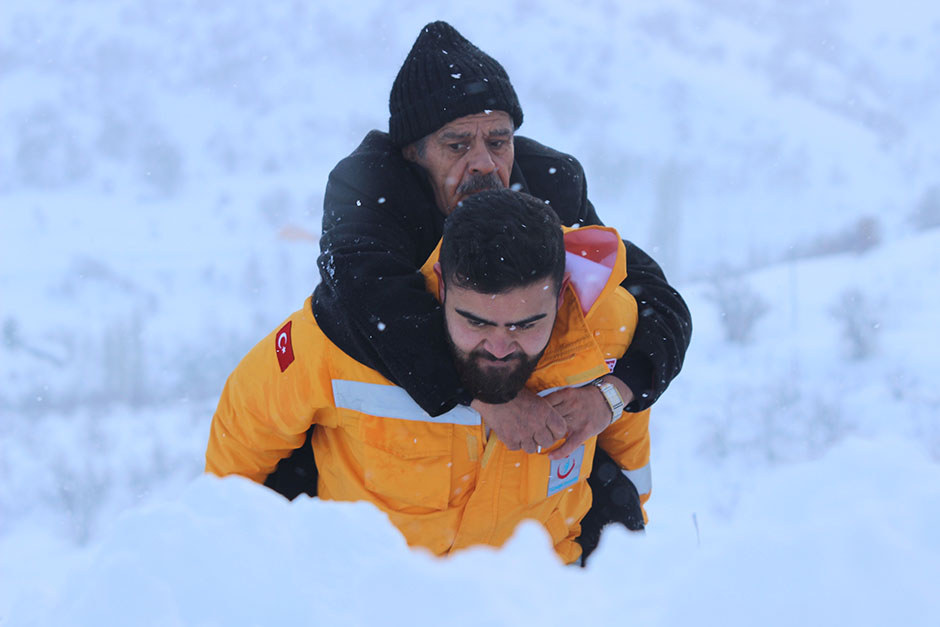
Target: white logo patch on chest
[{"x": 565, "y": 471}]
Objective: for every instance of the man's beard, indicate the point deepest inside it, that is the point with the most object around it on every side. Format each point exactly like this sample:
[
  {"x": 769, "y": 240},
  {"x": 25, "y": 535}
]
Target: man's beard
[
  {"x": 493, "y": 385},
  {"x": 479, "y": 183}
]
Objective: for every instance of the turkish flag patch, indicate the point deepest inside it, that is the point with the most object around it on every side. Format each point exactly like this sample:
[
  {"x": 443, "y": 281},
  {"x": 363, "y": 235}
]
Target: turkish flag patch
[{"x": 284, "y": 348}]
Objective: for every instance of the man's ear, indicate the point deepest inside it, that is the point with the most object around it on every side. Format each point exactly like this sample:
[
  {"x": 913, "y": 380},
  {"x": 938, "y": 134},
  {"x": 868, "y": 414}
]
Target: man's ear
[
  {"x": 561, "y": 292},
  {"x": 410, "y": 153},
  {"x": 440, "y": 279}
]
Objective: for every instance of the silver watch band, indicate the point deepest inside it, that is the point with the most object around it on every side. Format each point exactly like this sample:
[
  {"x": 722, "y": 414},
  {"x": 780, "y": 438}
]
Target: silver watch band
[{"x": 612, "y": 396}]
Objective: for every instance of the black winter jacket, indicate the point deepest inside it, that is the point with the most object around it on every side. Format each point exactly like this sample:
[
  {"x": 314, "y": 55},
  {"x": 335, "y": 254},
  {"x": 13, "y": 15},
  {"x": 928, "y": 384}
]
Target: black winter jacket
[{"x": 380, "y": 224}]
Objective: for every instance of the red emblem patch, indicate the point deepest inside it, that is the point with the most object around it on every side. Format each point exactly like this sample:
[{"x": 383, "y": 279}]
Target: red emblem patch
[
  {"x": 284, "y": 348},
  {"x": 610, "y": 364}
]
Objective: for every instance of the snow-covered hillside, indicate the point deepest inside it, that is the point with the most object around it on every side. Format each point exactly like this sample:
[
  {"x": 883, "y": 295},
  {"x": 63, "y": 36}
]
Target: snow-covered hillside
[{"x": 162, "y": 166}]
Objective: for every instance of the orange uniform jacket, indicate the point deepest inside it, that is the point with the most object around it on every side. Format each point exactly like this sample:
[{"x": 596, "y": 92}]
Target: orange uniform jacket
[{"x": 439, "y": 479}]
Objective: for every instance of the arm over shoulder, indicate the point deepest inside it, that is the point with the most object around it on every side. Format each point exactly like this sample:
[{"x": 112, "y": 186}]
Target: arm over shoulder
[{"x": 380, "y": 224}]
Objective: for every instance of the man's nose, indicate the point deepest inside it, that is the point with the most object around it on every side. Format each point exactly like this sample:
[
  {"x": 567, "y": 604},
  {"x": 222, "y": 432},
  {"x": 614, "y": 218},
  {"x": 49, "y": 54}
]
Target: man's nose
[
  {"x": 481, "y": 161},
  {"x": 499, "y": 344}
]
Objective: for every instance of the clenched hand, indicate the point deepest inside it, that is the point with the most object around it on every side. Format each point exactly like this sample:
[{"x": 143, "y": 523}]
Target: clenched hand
[
  {"x": 531, "y": 423},
  {"x": 586, "y": 413},
  {"x": 527, "y": 422}
]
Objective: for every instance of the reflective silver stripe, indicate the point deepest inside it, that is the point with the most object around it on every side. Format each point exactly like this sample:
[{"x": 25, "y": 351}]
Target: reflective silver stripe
[
  {"x": 642, "y": 478},
  {"x": 391, "y": 401},
  {"x": 548, "y": 391}
]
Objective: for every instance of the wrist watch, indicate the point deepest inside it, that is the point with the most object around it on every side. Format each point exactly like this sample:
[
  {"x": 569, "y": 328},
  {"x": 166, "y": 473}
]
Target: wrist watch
[{"x": 612, "y": 396}]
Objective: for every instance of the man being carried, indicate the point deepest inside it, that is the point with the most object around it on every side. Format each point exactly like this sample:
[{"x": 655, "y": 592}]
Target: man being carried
[{"x": 514, "y": 320}]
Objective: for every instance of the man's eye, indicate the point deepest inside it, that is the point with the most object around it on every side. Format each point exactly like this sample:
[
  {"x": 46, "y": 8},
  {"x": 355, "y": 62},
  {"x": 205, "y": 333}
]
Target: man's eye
[
  {"x": 497, "y": 143},
  {"x": 476, "y": 323},
  {"x": 521, "y": 327},
  {"x": 457, "y": 147}
]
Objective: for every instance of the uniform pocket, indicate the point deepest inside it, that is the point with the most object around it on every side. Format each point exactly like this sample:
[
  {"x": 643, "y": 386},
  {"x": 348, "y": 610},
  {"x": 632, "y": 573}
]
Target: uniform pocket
[
  {"x": 557, "y": 527},
  {"x": 407, "y": 463}
]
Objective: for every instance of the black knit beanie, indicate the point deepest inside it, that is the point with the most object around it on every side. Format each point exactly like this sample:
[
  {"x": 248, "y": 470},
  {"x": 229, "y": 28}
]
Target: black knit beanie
[{"x": 446, "y": 77}]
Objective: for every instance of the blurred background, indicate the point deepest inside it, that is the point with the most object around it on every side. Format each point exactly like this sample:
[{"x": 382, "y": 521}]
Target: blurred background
[{"x": 162, "y": 167}]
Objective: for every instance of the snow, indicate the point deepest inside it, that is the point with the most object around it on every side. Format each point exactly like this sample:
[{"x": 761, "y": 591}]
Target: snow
[
  {"x": 162, "y": 169},
  {"x": 839, "y": 540}
]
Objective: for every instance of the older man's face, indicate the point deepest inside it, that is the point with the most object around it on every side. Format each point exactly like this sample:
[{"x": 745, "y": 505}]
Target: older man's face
[{"x": 468, "y": 155}]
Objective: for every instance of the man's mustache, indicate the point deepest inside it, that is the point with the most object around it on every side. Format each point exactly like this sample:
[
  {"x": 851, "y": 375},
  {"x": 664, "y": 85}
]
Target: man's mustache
[
  {"x": 479, "y": 183},
  {"x": 487, "y": 356}
]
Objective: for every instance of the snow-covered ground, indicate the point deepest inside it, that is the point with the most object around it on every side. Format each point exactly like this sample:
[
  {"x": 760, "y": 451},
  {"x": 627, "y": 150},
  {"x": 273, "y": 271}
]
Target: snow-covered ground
[
  {"x": 161, "y": 172},
  {"x": 835, "y": 541}
]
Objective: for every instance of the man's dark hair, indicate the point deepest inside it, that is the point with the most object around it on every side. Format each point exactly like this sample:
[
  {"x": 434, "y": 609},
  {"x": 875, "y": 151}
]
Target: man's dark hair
[{"x": 499, "y": 240}]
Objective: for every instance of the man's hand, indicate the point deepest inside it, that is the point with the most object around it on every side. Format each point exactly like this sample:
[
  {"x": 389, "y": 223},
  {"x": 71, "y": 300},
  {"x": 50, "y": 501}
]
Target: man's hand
[
  {"x": 586, "y": 412},
  {"x": 527, "y": 422}
]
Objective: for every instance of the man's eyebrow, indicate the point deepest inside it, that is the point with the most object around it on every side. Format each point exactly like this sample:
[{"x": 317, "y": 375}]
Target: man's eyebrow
[
  {"x": 500, "y": 132},
  {"x": 515, "y": 323},
  {"x": 474, "y": 317},
  {"x": 496, "y": 132},
  {"x": 529, "y": 320}
]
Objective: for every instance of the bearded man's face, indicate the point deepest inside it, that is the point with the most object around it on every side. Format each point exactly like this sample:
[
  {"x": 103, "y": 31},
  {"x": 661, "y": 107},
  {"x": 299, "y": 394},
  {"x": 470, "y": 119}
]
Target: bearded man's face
[
  {"x": 498, "y": 339},
  {"x": 490, "y": 379}
]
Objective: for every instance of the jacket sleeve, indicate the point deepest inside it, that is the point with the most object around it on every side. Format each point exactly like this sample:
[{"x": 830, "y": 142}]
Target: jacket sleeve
[
  {"x": 371, "y": 301},
  {"x": 264, "y": 413},
  {"x": 627, "y": 441}
]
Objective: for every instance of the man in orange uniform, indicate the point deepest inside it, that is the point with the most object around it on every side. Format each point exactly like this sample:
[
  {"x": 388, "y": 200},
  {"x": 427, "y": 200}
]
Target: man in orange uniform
[{"x": 524, "y": 306}]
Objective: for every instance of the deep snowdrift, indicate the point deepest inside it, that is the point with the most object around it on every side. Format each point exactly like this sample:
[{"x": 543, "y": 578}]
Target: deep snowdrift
[{"x": 850, "y": 539}]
